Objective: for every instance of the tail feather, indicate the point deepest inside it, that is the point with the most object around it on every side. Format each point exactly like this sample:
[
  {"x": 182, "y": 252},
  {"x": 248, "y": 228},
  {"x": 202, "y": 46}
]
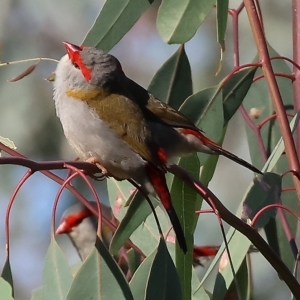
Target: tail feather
[
  {"x": 177, "y": 228},
  {"x": 219, "y": 150},
  {"x": 158, "y": 180},
  {"x": 216, "y": 148}
]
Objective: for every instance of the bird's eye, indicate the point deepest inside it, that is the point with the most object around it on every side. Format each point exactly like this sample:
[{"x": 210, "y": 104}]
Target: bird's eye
[
  {"x": 76, "y": 65},
  {"x": 77, "y": 222}
]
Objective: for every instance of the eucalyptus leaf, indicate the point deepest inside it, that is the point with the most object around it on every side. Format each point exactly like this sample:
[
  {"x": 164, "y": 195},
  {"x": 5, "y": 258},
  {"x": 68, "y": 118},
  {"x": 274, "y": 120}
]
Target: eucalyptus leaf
[
  {"x": 57, "y": 276},
  {"x": 178, "y": 21},
  {"x": 163, "y": 282},
  {"x": 5, "y": 290},
  {"x": 114, "y": 20},
  {"x": 99, "y": 278},
  {"x": 172, "y": 83}
]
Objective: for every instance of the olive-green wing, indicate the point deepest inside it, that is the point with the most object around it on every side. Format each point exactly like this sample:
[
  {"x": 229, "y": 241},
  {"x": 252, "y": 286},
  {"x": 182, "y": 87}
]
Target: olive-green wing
[
  {"x": 168, "y": 114},
  {"x": 126, "y": 118},
  {"x": 154, "y": 109}
]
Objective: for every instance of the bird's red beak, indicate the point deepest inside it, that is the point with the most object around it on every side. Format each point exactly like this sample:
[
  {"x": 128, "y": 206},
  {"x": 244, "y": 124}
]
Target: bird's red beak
[
  {"x": 62, "y": 228},
  {"x": 72, "y": 49}
]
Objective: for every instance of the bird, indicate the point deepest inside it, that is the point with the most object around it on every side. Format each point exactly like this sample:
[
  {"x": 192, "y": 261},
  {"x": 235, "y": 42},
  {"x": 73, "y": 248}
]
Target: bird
[
  {"x": 113, "y": 122},
  {"x": 79, "y": 223}
]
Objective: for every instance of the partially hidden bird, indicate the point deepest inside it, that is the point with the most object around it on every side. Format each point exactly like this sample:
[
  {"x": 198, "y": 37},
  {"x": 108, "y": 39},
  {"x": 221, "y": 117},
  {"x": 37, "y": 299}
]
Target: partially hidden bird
[
  {"x": 112, "y": 121},
  {"x": 79, "y": 223}
]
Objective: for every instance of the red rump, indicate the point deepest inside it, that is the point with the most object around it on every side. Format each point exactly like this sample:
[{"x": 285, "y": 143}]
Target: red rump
[
  {"x": 205, "y": 251},
  {"x": 158, "y": 180},
  {"x": 206, "y": 141},
  {"x": 162, "y": 155}
]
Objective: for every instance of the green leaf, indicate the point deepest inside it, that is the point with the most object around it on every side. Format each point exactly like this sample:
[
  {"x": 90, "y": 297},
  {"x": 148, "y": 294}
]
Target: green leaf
[
  {"x": 205, "y": 109},
  {"x": 222, "y": 16},
  {"x": 139, "y": 279},
  {"x": 5, "y": 290},
  {"x": 197, "y": 293},
  {"x": 138, "y": 210},
  {"x": 221, "y": 291},
  {"x": 172, "y": 83},
  {"x": 234, "y": 91},
  {"x": 115, "y": 19},
  {"x": 163, "y": 280},
  {"x": 238, "y": 248},
  {"x": 57, "y": 276},
  {"x": 118, "y": 189},
  {"x": 200, "y": 294},
  {"x": 99, "y": 278},
  {"x": 134, "y": 260},
  {"x": 266, "y": 190},
  {"x": 178, "y": 21},
  {"x": 186, "y": 201},
  {"x": 147, "y": 236},
  {"x": 7, "y": 275}
]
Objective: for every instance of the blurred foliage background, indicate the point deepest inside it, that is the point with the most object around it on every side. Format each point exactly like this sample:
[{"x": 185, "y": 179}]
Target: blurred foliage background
[{"x": 36, "y": 29}]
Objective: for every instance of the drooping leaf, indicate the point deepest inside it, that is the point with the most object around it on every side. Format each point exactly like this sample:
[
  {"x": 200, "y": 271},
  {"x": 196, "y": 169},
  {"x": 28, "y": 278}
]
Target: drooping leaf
[
  {"x": 235, "y": 90},
  {"x": 147, "y": 236},
  {"x": 99, "y": 278},
  {"x": 172, "y": 83},
  {"x": 238, "y": 248},
  {"x": 5, "y": 290},
  {"x": 115, "y": 19},
  {"x": 197, "y": 293},
  {"x": 178, "y": 21},
  {"x": 186, "y": 201},
  {"x": 163, "y": 282},
  {"x": 25, "y": 73},
  {"x": 139, "y": 279},
  {"x": 221, "y": 291},
  {"x": 136, "y": 214},
  {"x": 266, "y": 190},
  {"x": 57, "y": 276},
  {"x": 222, "y": 16},
  {"x": 7, "y": 275},
  {"x": 134, "y": 260}
]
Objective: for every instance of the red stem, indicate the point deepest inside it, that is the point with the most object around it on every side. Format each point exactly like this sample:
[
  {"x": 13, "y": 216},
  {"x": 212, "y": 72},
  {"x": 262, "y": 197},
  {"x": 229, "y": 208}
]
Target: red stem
[
  {"x": 296, "y": 59},
  {"x": 9, "y": 206},
  {"x": 267, "y": 207},
  {"x": 289, "y": 76},
  {"x": 274, "y": 90}
]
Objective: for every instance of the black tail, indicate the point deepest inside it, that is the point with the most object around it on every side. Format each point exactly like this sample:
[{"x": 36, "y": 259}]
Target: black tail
[
  {"x": 233, "y": 157},
  {"x": 177, "y": 228},
  {"x": 158, "y": 180}
]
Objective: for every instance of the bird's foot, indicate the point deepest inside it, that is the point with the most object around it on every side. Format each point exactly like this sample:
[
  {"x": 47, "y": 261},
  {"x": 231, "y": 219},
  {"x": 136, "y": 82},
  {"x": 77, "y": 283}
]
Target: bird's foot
[{"x": 93, "y": 160}]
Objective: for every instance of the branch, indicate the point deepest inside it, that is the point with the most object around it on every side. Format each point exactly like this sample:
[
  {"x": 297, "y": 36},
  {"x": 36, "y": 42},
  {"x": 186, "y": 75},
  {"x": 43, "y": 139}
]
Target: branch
[{"x": 242, "y": 227}]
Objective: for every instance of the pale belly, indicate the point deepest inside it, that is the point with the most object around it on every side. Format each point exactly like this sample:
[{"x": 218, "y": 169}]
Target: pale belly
[{"x": 91, "y": 137}]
